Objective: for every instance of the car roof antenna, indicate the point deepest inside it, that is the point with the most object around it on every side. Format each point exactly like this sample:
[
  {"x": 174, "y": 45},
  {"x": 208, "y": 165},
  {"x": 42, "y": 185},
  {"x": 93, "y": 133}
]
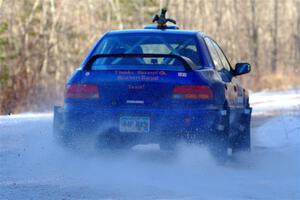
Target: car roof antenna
[{"x": 161, "y": 19}]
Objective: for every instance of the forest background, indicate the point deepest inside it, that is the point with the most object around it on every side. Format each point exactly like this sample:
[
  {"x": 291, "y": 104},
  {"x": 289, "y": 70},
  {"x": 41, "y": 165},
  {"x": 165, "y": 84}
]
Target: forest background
[{"x": 43, "y": 41}]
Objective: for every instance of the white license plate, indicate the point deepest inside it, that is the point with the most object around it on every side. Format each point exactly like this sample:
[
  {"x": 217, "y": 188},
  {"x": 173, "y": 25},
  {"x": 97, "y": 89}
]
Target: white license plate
[{"x": 134, "y": 124}]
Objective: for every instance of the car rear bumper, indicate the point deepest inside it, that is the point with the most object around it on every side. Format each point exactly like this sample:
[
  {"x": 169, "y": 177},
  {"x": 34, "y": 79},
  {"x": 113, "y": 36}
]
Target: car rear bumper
[{"x": 163, "y": 122}]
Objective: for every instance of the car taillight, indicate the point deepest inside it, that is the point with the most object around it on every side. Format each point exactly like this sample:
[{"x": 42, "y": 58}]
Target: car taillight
[
  {"x": 84, "y": 91},
  {"x": 192, "y": 92}
]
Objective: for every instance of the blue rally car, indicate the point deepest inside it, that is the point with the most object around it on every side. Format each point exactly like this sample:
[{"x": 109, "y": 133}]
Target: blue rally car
[{"x": 156, "y": 85}]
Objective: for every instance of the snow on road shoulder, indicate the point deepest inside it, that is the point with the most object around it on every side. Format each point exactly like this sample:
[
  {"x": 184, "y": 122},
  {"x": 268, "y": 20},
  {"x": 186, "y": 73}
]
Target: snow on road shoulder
[
  {"x": 276, "y": 102},
  {"x": 23, "y": 118},
  {"x": 281, "y": 131}
]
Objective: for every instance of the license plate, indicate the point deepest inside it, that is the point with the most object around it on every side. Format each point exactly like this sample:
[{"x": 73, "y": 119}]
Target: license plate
[{"x": 134, "y": 124}]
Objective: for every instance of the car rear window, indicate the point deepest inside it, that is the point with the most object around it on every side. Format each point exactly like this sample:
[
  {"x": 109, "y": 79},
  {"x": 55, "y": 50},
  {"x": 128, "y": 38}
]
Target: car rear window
[{"x": 184, "y": 45}]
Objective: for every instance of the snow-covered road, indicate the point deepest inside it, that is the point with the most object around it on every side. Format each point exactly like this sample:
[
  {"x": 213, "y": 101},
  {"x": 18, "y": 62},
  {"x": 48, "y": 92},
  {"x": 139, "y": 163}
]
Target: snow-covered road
[{"x": 32, "y": 166}]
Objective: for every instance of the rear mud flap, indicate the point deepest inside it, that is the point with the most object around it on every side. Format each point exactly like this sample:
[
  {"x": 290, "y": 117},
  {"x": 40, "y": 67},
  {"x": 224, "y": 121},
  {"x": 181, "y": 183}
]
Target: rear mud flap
[
  {"x": 246, "y": 117},
  {"x": 242, "y": 142}
]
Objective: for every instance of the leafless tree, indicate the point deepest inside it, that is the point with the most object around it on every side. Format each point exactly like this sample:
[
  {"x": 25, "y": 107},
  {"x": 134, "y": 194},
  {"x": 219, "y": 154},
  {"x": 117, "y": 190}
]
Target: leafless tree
[{"x": 43, "y": 41}]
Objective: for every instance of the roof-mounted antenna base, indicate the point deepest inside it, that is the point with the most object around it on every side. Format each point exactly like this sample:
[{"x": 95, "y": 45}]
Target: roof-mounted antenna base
[{"x": 161, "y": 19}]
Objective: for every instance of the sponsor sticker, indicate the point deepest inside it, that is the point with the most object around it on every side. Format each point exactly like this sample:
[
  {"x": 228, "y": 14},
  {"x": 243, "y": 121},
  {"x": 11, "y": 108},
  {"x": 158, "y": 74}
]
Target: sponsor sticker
[{"x": 182, "y": 74}]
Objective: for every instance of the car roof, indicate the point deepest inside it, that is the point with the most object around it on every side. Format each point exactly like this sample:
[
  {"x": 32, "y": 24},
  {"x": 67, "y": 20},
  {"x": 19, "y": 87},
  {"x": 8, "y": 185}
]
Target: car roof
[{"x": 157, "y": 31}]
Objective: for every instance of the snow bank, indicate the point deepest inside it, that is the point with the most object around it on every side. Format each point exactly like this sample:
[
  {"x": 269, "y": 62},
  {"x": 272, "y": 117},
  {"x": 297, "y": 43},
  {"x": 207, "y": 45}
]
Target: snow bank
[
  {"x": 282, "y": 131},
  {"x": 265, "y": 102},
  {"x": 23, "y": 118}
]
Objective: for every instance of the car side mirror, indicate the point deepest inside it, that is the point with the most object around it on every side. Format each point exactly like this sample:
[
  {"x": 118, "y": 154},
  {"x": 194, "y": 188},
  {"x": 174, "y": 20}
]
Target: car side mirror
[{"x": 241, "y": 68}]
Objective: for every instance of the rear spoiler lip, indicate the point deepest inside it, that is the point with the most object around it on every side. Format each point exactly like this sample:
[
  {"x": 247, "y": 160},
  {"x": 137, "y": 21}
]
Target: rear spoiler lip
[{"x": 187, "y": 63}]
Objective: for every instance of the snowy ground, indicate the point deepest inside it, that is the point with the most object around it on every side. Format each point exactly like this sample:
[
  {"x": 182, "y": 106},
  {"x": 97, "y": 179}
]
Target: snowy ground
[
  {"x": 32, "y": 166},
  {"x": 270, "y": 103}
]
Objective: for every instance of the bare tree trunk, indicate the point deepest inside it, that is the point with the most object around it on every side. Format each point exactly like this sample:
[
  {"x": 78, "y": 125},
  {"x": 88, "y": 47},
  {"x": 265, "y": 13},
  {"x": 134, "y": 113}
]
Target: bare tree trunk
[
  {"x": 274, "y": 37},
  {"x": 254, "y": 37},
  {"x": 115, "y": 4},
  {"x": 218, "y": 16},
  {"x": 298, "y": 36},
  {"x": 141, "y": 13},
  {"x": 45, "y": 41}
]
